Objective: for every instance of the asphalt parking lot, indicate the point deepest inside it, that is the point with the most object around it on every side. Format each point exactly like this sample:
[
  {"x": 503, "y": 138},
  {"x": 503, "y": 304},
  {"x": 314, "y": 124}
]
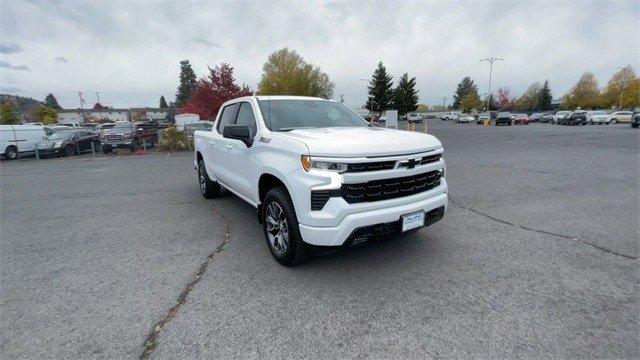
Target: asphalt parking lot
[{"x": 120, "y": 256}]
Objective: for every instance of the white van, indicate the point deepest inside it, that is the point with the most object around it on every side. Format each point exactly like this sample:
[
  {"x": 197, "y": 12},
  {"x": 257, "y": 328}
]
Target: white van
[{"x": 16, "y": 140}]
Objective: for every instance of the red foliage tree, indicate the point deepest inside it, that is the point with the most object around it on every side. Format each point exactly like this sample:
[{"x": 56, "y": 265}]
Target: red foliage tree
[
  {"x": 504, "y": 101},
  {"x": 98, "y": 106},
  {"x": 213, "y": 91}
]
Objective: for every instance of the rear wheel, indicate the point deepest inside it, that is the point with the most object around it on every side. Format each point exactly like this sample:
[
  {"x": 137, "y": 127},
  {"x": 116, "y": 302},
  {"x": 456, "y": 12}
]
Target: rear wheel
[
  {"x": 281, "y": 230},
  {"x": 208, "y": 188},
  {"x": 11, "y": 153}
]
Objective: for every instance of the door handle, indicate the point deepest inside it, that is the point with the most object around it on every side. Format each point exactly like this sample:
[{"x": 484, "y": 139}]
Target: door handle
[
  {"x": 229, "y": 146},
  {"x": 212, "y": 142}
]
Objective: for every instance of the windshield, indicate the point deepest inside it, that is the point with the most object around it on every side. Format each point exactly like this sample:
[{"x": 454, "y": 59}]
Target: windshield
[
  {"x": 563, "y": 112},
  {"x": 598, "y": 113},
  {"x": 60, "y": 135},
  {"x": 286, "y": 115}
]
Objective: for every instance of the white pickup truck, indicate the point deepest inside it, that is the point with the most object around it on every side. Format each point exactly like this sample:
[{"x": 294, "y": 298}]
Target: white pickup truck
[{"x": 318, "y": 174}]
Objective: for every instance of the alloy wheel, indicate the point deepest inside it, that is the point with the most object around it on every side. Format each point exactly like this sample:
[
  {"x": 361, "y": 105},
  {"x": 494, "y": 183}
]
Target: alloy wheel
[{"x": 277, "y": 228}]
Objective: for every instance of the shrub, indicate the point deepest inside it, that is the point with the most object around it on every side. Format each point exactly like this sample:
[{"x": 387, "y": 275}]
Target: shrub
[{"x": 172, "y": 139}]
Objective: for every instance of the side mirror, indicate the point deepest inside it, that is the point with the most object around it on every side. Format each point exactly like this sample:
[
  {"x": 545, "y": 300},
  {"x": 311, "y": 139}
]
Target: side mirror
[{"x": 238, "y": 132}]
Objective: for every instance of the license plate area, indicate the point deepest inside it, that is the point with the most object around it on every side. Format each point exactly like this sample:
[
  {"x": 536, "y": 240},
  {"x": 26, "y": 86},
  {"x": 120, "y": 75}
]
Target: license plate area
[{"x": 412, "y": 220}]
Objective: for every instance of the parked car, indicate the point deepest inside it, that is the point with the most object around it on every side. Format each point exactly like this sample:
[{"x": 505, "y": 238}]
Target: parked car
[
  {"x": 635, "y": 120},
  {"x": 504, "y": 118},
  {"x": 19, "y": 140},
  {"x": 623, "y": 116},
  {"x": 451, "y": 116},
  {"x": 482, "y": 117},
  {"x": 521, "y": 119},
  {"x": 190, "y": 128},
  {"x": 464, "y": 118},
  {"x": 560, "y": 115},
  {"x": 597, "y": 117},
  {"x": 69, "y": 143},
  {"x": 548, "y": 118},
  {"x": 129, "y": 135},
  {"x": 536, "y": 117},
  {"x": 414, "y": 118},
  {"x": 309, "y": 159},
  {"x": 578, "y": 117}
]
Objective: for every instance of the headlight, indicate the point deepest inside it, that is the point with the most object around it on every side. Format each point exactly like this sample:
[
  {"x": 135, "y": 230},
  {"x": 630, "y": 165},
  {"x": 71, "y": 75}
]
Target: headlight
[
  {"x": 308, "y": 164},
  {"x": 57, "y": 144}
]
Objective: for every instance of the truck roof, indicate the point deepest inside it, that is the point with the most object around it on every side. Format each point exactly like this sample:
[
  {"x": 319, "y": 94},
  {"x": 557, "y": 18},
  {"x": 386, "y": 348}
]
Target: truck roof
[{"x": 284, "y": 97}]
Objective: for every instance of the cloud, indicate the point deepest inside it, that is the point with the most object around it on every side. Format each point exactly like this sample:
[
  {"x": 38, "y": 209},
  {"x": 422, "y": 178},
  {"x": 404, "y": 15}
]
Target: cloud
[
  {"x": 4, "y": 64},
  {"x": 10, "y": 48},
  {"x": 10, "y": 89},
  {"x": 437, "y": 42},
  {"x": 61, "y": 59},
  {"x": 206, "y": 42}
]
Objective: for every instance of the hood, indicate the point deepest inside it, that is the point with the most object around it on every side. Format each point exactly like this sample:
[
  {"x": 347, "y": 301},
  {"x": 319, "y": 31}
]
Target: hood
[
  {"x": 362, "y": 141},
  {"x": 117, "y": 132}
]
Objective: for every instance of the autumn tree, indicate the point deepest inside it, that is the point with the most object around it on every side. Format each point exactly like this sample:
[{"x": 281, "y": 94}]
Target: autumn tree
[
  {"x": 162, "y": 103},
  {"x": 530, "y": 98},
  {"x": 51, "y": 102},
  {"x": 631, "y": 96},
  {"x": 465, "y": 87},
  {"x": 422, "y": 108},
  {"x": 7, "y": 115},
  {"x": 212, "y": 91},
  {"x": 98, "y": 106},
  {"x": 44, "y": 114},
  {"x": 545, "y": 97},
  {"x": 405, "y": 96},
  {"x": 584, "y": 93},
  {"x": 380, "y": 90},
  {"x": 287, "y": 73},
  {"x": 470, "y": 102},
  {"x": 618, "y": 86},
  {"x": 504, "y": 98},
  {"x": 187, "y": 84}
]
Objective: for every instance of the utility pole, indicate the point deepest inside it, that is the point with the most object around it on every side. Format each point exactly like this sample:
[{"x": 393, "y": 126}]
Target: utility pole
[
  {"x": 98, "y": 97},
  {"x": 81, "y": 107},
  {"x": 491, "y": 60},
  {"x": 444, "y": 101}
]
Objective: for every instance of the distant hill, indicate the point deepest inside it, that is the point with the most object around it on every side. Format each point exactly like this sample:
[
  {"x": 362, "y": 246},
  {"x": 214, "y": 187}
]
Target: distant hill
[{"x": 21, "y": 104}]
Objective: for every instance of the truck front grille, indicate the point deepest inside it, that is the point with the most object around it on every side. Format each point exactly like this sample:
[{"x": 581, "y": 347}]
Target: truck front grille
[
  {"x": 371, "y": 166},
  {"x": 377, "y": 190}
]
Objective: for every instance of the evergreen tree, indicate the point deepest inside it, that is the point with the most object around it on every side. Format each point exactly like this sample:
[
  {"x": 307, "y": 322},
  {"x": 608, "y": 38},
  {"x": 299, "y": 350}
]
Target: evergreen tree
[
  {"x": 163, "y": 102},
  {"x": 545, "y": 97},
  {"x": 465, "y": 87},
  {"x": 380, "y": 90},
  {"x": 7, "y": 115},
  {"x": 51, "y": 102},
  {"x": 405, "y": 96},
  {"x": 187, "y": 84}
]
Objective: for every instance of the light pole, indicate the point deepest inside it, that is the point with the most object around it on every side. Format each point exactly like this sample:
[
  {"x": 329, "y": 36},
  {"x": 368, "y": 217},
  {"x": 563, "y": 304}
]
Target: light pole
[
  {"x": 491, "y": 60},
  {"x": 98, "y": 97}
]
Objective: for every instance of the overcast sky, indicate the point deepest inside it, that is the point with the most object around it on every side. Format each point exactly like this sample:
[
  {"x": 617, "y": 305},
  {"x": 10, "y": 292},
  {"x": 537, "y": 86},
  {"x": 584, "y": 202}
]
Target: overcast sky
[{"x": 130, "y": 52}]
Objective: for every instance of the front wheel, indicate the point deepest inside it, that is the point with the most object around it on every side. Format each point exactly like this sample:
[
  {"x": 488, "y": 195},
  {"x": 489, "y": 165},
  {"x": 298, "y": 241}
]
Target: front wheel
[
  {"x": 69, "y": 150},
  {"x": 208, "y": 188},
  {"x": 11, "y": 153},
  {"x": 281, "y": 230}
]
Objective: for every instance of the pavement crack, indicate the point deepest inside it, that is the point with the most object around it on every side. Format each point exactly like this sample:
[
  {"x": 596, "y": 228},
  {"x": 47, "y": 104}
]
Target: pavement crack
[
  {"x": 150, "y": 342},
  {"x": 540, "y": 231}
]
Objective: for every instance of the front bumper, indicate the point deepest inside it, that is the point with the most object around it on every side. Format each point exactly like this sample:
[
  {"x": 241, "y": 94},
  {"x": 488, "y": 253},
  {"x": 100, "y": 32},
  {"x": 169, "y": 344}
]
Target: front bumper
[
  {"x": 346, "y": 232},
  {"x": 49, "y": 151},
  {"x": 120, "y": 144}
]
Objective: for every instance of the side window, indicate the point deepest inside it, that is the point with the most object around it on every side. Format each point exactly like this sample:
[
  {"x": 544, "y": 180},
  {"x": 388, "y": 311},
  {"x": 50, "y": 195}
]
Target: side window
[
  {"x": 246, "y": 117},
  {"x": 228, "y": 116}
]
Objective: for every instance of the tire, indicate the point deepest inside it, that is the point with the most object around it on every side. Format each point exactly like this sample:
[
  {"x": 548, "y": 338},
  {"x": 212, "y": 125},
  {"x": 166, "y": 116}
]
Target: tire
[
  {"x": 208, "y": 188},
  {"x": 634, "y": 125},
  {"x": 106, "y": 150},
  {"x": 11, "y": 153},
  {"x": 69, "y": 150},
  {"x": 281, "y": 231}
]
